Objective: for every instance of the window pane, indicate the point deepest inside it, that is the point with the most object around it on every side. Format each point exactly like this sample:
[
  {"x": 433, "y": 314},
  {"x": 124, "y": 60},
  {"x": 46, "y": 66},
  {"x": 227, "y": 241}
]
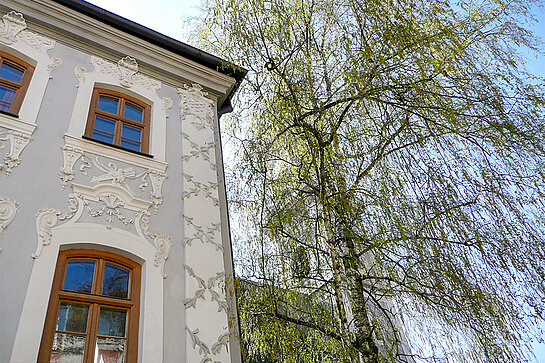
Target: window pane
[
  {"x": 108, "y": 104},
  {"x": 68, "y": 348},
  {"x": 116, "y": 281},
  {"x": 110, "y": 350},
  {"x": 72, "y": 317},
  {"x": 133, "y": 112},
  {"x": 130, "y": 145},
  {"x": 112, "y": 322},
  {"x": 79, "y": 276},
  {"x": 6, "y": 97},
  {"x": 11, "y": 72},
  {"x": 103, "y": 137},
  {"x": 104, "y": 125},
  {"x": 132, "y": 133}
]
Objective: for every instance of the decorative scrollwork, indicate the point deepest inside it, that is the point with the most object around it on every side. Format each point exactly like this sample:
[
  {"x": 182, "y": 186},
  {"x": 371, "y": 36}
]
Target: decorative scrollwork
[
  {"x": 163, "y": 245},
  {"x": 223, "y": 340},
  {"x": 203, "y": 286},
  {"x": 71, "y": 155},
  {"x": 47, "y": 219},
  {"x": 199, "y": 292},
  {"x": 127, "y": 69},
  {"x": 111, "y": 207},
  {"x": 18, "y": 141},
  {"x": 79, "y": 71},
  {"x": 202, "y": 235},
  {"x": 8, "y": 210},
  {"x": 13, "y": 28},
  {"x": 197, "y": 342},
  {"x": 56, "y": 62},
  {"x": 112, "y": 200},
  {"x": 112, "y": 174},
  {"x": 14, "y": 23},
  {"x": 194, "y": 101}
]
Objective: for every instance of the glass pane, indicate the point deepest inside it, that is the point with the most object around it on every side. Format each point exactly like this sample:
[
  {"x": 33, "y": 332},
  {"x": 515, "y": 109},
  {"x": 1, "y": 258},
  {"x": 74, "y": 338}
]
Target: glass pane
[
  {"x": 79, "y": 276},
  {"x": 72, "y": 317},
  {"x": 112, "y": 322},
  {"x": 97, "y": 135},
  {"x": 133, "y": 112},
  {"x": 108, "y": 104},
  {"x": 11, "y": 72},
  {"x": 6, "y": 96},
  {"x": 104, "y": 125},
  {"x": 132, "y": 145},
  {"x": 116, "y": 281},
  {"x": 110, "y": 350},
  {"x": 68, "y": 348},
  {"x": 132, "y": 133}
]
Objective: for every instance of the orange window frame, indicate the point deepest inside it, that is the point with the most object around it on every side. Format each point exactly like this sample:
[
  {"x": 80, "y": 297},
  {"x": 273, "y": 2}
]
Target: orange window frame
[
  {"x": 95, "y": 301},
  {"x": 119, "y": 119},
  {"x": 21, "y": 87}
]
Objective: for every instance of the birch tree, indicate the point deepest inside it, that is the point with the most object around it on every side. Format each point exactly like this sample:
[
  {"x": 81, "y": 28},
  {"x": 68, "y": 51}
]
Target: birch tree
[{"x": 389, "y": 182}]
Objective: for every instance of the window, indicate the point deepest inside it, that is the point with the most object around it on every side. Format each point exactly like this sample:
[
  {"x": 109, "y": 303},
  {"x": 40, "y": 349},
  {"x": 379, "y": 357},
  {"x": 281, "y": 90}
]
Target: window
[
  {"x": 93, "y": 310},
  {"x": 14, "y": 80},
  {"x": 117, "y": 119}
]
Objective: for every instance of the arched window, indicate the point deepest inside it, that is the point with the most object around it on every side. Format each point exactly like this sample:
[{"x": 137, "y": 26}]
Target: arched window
[
  {"x": 118, "y": 119},
  {"x": 14, "y": 80},
  {"x": 93, "y": 309}
]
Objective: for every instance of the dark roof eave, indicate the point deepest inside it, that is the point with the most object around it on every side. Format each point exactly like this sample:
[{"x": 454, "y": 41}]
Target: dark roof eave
[{"x": 161, "y": 40}]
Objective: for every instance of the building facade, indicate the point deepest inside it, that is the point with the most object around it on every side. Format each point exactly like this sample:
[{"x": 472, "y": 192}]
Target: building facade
[{"x": 114, "y": 238}]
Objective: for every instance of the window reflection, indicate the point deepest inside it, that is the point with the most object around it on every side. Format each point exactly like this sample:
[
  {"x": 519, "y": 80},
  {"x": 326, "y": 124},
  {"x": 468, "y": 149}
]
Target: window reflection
[
  {"x": 116, "y": 281},
  {"x": 79, "y": 276}
]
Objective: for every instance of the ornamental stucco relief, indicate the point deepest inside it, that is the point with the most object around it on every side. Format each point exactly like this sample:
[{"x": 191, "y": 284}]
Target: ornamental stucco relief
[
  {"x": 215, "y": 282},
  {"x": 125, "y": 71},
  {"x": 195, "y": 102},
  {"x": 109, "y": 172},
  {"x": 204, "y": 350},
  {"x": 8, "y": 210},
  {"x": 205, "y": 283},
  {"x": 12, "y": 24},
  {"x": 110, "y": 202},
  {"x": 13, "y": 29},
  {"x": 16, "y": 133},
  {"x": 14, "y": 142}
]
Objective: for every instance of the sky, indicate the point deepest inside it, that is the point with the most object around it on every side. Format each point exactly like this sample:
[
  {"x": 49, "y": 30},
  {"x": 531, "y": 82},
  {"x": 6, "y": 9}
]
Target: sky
[
  {"x": 163, "y": 16},
  {"x": 166, "y": 17}
]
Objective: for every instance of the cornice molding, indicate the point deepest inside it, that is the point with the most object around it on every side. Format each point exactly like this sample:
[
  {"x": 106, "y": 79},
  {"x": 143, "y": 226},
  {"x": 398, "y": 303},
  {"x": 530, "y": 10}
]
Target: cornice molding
[{"x": 84, "y": 33}]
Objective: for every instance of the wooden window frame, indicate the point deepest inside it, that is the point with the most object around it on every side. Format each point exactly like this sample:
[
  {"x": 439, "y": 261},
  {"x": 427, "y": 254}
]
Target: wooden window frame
[
  {"x": 21, "y": 87},
  {"x": 119, "y": 119},
  {"x": 95, "y": 300}
]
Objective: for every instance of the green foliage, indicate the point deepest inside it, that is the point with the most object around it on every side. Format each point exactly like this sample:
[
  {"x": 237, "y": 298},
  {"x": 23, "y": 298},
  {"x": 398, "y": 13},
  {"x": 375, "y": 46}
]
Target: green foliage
[
  {"x": 270, "y": 337},
  {"x": 400, "y": 145}
]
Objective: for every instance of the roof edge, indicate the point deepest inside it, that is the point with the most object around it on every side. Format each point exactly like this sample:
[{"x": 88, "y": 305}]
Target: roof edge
[{"x": 175, "y": 46}]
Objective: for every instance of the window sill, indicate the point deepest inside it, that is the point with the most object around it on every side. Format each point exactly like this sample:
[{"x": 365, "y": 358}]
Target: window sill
[
  {"x": 109, "y": 151},
  {"x": 9, "y": 114},
  {"x": 117, "y": 147}
]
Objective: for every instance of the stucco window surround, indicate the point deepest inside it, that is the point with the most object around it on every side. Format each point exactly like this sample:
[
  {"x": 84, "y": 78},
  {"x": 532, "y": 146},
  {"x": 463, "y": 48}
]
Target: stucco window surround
[
  {"x": 122, "y": 77},
  {"x": 32, "y": 48},
  {"x": 91, "y": 236}
]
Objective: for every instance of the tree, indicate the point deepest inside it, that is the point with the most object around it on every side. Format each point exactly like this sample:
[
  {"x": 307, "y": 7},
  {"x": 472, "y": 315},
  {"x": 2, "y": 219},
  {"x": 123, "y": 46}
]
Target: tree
[{"x": 390, "y": 177}]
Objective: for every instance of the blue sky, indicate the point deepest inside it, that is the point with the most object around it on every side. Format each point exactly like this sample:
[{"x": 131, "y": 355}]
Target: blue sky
[{"x": 166, "y": 16}]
